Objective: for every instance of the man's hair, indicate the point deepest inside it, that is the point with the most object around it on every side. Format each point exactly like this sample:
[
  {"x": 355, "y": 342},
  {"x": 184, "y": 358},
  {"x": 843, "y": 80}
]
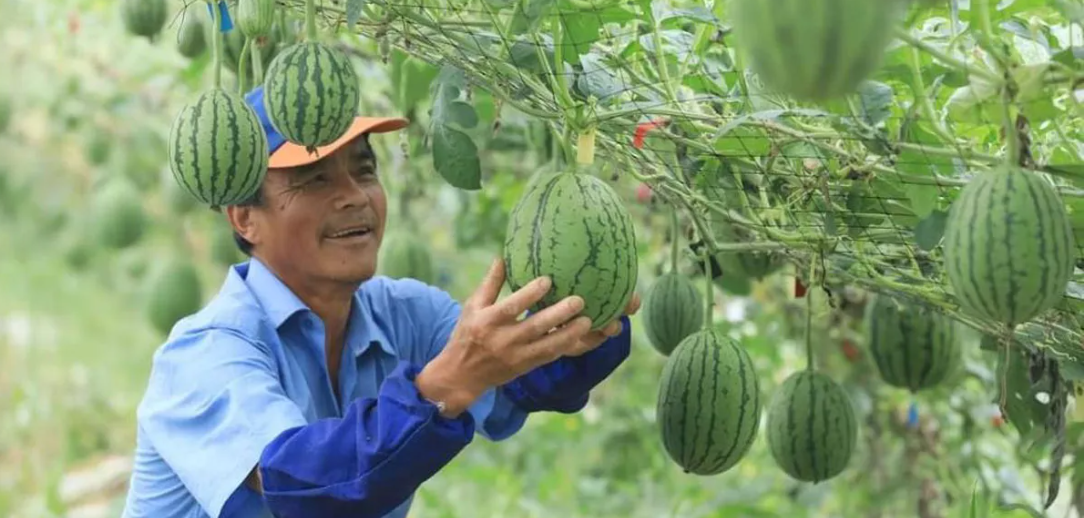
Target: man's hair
[{"x": 257, "y": 198}]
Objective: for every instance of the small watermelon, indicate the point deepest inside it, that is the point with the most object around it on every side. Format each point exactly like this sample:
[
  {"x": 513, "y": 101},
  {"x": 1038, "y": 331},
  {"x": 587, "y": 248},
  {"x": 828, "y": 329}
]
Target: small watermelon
[
  {"x": 217, "y": 149},
  {"x": 672, "y": 310},
  {"x": 406, "y": 255},
  {"x": 311, "y": 93},
  {"x": 193, "y": 32},
  {"x": 144, "y": 18},
  {"x": 255, "y": 17},
  {"x": 913, "y": 347},
  {"x": 119, "y": 219},
  {"x": 173, "y": 292},
  {"x": 815, "y": 50},
  {"x": 708, "y": 406},
  {"x": 1009, "y": 246},
  {"x": 812, "y": 428}
]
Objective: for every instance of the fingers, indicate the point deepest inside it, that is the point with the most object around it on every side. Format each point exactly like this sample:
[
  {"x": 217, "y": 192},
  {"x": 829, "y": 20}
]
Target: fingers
[
  {"x": 518, "y": 302},
  {"x": 487, "y": 292},
  {"x": 546, "y": 320},
  {"x": 556, "y": 344},
  {"x": 634, "y": 304}
]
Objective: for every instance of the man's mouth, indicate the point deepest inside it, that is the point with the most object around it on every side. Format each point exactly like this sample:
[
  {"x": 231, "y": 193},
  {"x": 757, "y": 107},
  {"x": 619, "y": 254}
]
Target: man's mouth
[{"x": 350, "y": 232}]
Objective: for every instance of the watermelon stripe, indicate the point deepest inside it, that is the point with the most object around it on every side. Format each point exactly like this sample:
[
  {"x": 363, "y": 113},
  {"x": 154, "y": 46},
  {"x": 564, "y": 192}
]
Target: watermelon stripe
[{"x": 911, "y": 346}]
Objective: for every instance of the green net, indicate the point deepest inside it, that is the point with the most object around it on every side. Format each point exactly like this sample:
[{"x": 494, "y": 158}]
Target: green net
[{"x": 854, "y": 190}]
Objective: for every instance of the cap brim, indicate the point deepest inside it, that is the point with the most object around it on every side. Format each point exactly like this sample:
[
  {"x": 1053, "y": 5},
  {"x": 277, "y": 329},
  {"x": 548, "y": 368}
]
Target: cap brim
[{"x": 293, "y": 155}]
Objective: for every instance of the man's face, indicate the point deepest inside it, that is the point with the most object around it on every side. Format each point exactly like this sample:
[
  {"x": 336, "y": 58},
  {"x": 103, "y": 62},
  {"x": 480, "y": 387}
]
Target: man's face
[{"x": 322, "y": 222}]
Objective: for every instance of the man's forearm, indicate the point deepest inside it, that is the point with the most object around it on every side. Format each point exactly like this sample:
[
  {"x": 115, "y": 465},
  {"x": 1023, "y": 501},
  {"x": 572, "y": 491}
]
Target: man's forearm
[{"x": 369, "y": 461}]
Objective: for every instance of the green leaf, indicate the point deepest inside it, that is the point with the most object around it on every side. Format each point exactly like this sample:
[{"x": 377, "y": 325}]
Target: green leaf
[
  {"x": 929, "y": 231},
  {"x": 353, "y": 11},
  {"x": 580, "y": 32},
  {"x": 597, "y": 79},
  {"x": 455, "y": 156},
  {"x": 875, "y": 102},
  {"x": 923, "y": 198}
]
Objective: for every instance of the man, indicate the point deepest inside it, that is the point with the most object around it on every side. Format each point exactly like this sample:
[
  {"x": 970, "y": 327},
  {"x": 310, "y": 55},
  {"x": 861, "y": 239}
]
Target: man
[{"x": 308, "y": 387}]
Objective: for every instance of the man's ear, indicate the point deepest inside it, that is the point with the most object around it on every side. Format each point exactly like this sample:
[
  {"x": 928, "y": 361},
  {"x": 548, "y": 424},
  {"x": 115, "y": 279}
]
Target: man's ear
[{"x": 243, "y": 221}]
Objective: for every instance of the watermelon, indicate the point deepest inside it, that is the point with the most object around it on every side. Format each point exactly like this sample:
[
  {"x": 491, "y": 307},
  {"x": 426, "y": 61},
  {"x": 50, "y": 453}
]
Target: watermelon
[
  {"x": 173, "y": 292},
  {"x": 144, "y": 18},
  {"x": 192, "y": 32},
  {"x": 912, "y": 346},
  {"x": 406, "y": 256},
  {"x": 672, "y": 310},
  {"x": 708, "y": 406},
  {"x": 814, "y": 50},
  {"x": 1008, "y": 246},
  {"x": 255, "y": 17},
  {"x": 217, "y": 149},
  {"x": 223, "y": 248},
  {"x": 573, "y": 228},
  {"x": 119, "y": 219},
  {"x": 812, "y": 428},
  {"x": 311, "y": 93}
]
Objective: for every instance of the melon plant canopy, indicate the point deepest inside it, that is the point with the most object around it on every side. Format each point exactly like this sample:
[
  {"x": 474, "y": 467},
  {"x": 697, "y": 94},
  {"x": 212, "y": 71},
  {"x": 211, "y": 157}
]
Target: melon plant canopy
[{"x": 832, "y": 144}]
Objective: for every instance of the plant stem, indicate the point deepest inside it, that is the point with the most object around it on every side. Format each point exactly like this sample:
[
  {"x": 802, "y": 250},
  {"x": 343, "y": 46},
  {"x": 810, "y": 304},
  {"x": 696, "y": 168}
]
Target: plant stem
[
  {"x": 216, "y": 41},
  {"x": 310, "y": 20},
  {"x": 945, "y": 58},
  {"x": 674, "y": 239},
  {"x": 809, "y": 329},
  {"x": 709, "y": 302},
  {"x": 242, "y": 71},
  {"x": 1012, "y": 138},
  {"x": 257, "y": 65}
]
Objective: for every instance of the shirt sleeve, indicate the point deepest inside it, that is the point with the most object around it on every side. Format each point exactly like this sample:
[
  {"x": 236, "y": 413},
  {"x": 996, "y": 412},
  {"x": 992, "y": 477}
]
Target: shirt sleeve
[
  {"x": 564, "y": 385},
  {"x": 498, "y": 417},
  {"x": 212, "y": 403}
]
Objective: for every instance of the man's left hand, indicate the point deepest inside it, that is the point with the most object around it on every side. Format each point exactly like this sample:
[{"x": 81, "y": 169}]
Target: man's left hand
[{"x": 595, "y": 338}]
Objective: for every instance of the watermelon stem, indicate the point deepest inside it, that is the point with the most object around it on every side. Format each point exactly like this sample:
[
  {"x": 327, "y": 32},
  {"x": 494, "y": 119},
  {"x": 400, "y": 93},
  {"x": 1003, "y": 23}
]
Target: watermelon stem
[
  {"x": 1012, "y": 138},
  {"x": 242, "y": 76},
  {"x": 674, "y": 240},
  {"x": 709, "y": 301},
  {"x": 217, "y": 42},
  {"x": 310, "y": 19},
  {"x": 809, "y": 322},
  {"x": 257, "y": 65}
]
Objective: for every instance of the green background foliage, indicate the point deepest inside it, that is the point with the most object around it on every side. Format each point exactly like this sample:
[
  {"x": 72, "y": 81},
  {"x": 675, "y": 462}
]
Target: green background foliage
[{"x": 84, "y": 104}]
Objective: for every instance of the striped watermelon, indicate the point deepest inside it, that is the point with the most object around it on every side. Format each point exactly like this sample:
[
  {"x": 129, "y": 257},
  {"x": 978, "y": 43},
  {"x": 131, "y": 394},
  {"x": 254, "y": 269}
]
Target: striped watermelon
[
  {"x": 311, "y": 93},
  {"x": 144, "y": 18},
  {"x": 1009, "y": 246},
  {"x": 573, "y": 228},
  {"x": 406, "y": 255},
  {"x": 255, "y": 17},
  {"x": 814, "y": 50},
  {"x": 708, "y": 407},
  {"x": 192, "y": 33},
  {"x": 812, "y": 428},
  {"x": 217, "y": 149},
  {"x": 672, "y": 310},
  {"x": 913, "y": 347}
]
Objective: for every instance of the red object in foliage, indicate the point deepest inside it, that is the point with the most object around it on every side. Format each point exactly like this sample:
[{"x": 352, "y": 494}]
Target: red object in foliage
[
  {"x": 799, "y": 288},
  {"x": 643, "y": 193},
  {"x": 997, "y": 420},
  {"x": 643, "y": 128},
  {"x": 850, "y": 351},
  {"x": 73, "y": 22}
]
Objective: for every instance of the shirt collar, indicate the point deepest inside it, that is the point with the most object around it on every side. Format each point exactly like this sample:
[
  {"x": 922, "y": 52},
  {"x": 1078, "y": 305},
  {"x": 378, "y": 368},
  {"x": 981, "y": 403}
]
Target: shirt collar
[{"x": 280, "y": 303}]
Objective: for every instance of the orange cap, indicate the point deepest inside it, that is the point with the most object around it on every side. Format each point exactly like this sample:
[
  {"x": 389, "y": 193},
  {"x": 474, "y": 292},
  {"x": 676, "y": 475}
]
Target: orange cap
[{"x": 293, "y": 155}]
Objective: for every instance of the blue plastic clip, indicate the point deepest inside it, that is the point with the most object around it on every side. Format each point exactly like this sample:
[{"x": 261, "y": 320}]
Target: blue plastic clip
[
  {"x": 912, "y": 416},
  {"x": 226, "y": 24}
]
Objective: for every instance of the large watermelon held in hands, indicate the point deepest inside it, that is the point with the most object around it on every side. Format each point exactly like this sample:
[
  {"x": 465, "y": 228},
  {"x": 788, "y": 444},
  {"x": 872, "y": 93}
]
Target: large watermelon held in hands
[
  {"x": 673, "y": 309},
  {"x": 573, "y": 228},
  {"x": 217, "y": 149},
  {"x": 812, "y": 428},
  {"x": 913, "y": 346},
  {"x": 1009, "y": 246},
  {"x": 708, "y": 407},
  {"x": 815, "y": 50},
  {"x": 311, "y": 93}
]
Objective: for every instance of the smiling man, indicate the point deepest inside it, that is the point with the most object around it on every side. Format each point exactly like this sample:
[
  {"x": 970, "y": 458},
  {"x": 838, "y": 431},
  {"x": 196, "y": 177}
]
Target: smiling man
[{"x": 309, "y": 387}]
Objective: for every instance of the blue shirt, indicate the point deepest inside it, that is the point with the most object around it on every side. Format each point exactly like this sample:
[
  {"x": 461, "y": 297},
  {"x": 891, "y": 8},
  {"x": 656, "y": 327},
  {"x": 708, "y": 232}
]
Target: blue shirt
[{"x": 244, "y": 381}]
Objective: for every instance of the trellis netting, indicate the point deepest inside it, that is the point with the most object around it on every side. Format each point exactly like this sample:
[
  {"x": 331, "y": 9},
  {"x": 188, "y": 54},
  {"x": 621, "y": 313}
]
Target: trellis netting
[{"x": 851, "y": 189}]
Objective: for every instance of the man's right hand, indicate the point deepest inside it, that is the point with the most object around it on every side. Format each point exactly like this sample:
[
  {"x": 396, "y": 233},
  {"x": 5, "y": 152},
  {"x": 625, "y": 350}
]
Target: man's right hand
[{"x": 490, "y": 346}]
